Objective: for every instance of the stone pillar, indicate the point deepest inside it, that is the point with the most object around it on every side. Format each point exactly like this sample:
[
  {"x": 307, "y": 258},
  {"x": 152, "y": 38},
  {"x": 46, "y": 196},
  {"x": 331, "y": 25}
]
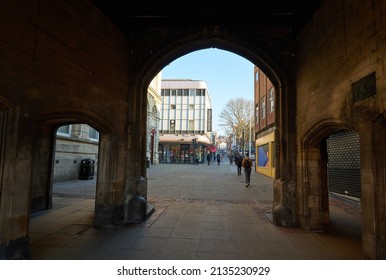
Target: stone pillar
[{"x": 284, "y": 190}]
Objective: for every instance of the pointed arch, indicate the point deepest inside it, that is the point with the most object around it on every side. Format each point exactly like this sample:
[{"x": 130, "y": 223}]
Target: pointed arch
[
  {"x": 314, "y": 210},
  {"x": 107, "y": 191}
]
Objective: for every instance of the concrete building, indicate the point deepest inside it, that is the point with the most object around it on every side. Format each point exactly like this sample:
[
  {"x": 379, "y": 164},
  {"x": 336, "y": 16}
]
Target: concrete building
[{"x": 186, "y": 121}]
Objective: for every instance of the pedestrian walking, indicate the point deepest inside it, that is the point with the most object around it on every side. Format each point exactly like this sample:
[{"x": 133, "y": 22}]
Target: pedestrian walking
[
  {"x": 247, "y": 163},
  {"x": 208, "y": 157},
  {"x": 238, "y": 162},
  {"x": 218, "y": 159}
]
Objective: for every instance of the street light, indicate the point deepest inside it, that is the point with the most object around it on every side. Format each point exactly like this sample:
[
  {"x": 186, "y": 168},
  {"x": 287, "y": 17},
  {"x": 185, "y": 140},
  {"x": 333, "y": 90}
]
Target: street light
[
  {"x": 250, "y": 129},
  {"x": 243, "y": 141},
  {"x": 195, "y": 159}
]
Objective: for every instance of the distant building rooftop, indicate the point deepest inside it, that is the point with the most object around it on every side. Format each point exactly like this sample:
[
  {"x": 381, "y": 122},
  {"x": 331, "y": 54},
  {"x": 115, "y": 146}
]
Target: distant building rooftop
[{"x": 183, "y": 84}]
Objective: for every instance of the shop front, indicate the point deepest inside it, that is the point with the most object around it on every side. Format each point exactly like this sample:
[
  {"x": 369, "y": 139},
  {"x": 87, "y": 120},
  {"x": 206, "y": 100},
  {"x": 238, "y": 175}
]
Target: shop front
[
  {"x": 265, "y": 163},
  {"x": 183, "y": 149}
]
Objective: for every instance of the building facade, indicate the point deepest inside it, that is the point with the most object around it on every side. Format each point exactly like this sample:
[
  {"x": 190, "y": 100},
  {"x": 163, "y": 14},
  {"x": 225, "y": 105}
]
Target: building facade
[
  {"x": 154, "y": 102},
  {"x": 341, "y": 147},
  {"x": 186, "y": 121},
  {"x": 264, "y": 99},
  {"x": 75, "y": 143}
]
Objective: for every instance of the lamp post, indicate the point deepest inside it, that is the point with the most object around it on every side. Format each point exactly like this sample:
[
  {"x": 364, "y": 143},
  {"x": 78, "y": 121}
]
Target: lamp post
[
  {"x": 229, "y": 142},
  {"x": 243, "y": 140},
  {"x": 250, "y": 130},
  {"x": 194, "y": 141}
]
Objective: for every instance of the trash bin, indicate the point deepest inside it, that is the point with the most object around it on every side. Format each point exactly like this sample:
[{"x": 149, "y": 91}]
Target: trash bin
[{"x": 86, "y": 169}]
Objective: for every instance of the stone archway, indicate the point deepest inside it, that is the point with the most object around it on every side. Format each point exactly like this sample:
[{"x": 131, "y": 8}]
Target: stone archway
[
  {"x": 313, "y": 205},
  {"x": 108, "y": 210},
  {"x": 274, "y": 70}
]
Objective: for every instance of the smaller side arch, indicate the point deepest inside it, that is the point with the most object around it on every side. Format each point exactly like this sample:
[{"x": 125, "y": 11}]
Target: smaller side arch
[
  {"x": 64, "y": 116},
  {"x": 312, "y": 191},
  {"x": 110, "y": 183},
  {"x": 322, "y": 129}
]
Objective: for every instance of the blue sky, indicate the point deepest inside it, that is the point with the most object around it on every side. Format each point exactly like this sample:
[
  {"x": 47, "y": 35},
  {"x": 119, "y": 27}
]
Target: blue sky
[{"x": 227, "y": 75}]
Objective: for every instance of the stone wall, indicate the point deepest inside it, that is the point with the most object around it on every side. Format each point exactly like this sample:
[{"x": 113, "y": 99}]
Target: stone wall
[
  {"x": 69, "y": 153},
  {"x": 61, "y": 63},
  {"x": 343, "y": 43}
]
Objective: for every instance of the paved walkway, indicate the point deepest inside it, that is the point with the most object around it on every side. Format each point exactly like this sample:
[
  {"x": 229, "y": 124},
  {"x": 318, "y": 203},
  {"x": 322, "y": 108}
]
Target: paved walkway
[{"x": 201, "y": 212}]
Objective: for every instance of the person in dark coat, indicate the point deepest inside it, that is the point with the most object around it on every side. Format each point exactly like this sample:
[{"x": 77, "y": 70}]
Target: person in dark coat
[
  {"x": 238, "y": 162},
  {"x": 208, "y": 157},
  {"x": 247, "y": 164}
]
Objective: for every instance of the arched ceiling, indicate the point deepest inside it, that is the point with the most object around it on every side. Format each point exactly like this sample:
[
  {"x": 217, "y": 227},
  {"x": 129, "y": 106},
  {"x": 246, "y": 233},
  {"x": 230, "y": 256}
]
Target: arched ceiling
[
  {"x": 290, "y": 13},
  {"x": 263, "y": 33}
]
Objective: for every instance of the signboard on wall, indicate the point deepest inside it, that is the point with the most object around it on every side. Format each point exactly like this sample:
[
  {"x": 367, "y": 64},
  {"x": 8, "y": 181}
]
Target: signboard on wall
[{"x": 364, "y": 88}]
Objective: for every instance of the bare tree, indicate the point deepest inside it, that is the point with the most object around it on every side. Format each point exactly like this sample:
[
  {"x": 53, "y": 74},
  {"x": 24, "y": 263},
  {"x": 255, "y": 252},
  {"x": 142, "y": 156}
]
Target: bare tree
[{"x": 237, "y": 118}]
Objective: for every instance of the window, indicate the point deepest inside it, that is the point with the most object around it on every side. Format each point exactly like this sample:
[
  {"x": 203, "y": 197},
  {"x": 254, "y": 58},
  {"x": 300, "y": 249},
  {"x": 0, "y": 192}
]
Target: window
[
  {"x": 200, "y": 92},
  {"x": 173, "y": 106},
  {"x": 191, "y": 107},
  {"x": 272, "y": 99},
  {"x": 165, "y": 92},
  {"x": 172, "y": 126},
  {"x": 263, "y": 112},
  {"x": 209, "y": 120},
  {"x": 93, "y": 134},
  {"x": 263, "y": 156},
  {"x": 64, "y": 130},
  {"x": 257, "y": 113},
  {"x": 257, "y": 76},
  {"x": 191, "y": 125}
]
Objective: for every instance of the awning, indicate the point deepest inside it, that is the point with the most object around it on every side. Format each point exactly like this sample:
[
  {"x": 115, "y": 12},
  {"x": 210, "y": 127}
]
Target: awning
[
  {"x": 212, "y": 149},
  {"x": 184, "y": 138}
]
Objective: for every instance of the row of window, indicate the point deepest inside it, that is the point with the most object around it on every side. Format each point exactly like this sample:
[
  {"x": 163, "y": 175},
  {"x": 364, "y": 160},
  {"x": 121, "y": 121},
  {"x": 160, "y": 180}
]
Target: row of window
[
  {"x": 187, "y": 107},
  {"x": 271, "y": 94},
  {"x": 182, "y": 131},
  {"x": 191, "y": 124},
  {"x": 182, "y": 92}
]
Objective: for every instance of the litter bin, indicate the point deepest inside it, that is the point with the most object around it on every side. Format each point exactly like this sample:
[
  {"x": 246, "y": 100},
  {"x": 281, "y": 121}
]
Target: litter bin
[{"x": 86, "y": 169}]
